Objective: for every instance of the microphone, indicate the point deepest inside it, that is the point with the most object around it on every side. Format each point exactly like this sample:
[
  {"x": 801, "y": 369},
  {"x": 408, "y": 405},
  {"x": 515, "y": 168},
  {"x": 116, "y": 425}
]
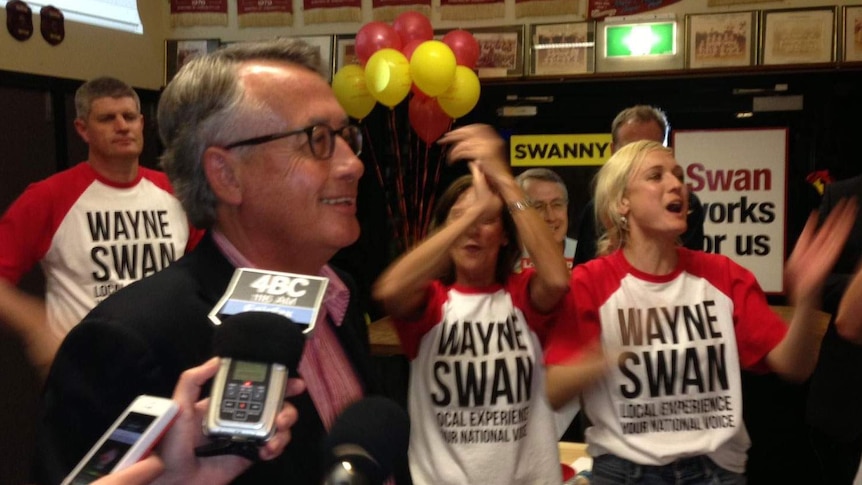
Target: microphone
[
  {"x": 367, "y": 442},
  {"x": 257, "y": 350}
]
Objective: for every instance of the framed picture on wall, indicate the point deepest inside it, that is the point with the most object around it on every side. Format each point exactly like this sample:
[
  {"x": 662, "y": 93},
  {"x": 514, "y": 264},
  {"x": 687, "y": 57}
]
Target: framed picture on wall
[
  {"x": 501, "y": 51},
  {"x": 721, "y": 39},
  {"x": 324, "y": 45},
  {"x": 562, "y": 48},
  {"x": 179, "y": 52},
  {"x": 800, "y": 36},
  {"x": 852, "y": 46},
  {"x": 345, "y": 51}
]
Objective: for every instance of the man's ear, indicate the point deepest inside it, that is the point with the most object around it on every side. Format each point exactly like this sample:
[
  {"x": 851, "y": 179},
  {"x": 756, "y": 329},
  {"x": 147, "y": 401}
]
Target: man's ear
[
  {"x": 81, "y": 128},
  {"x": 220, "y": 174}
]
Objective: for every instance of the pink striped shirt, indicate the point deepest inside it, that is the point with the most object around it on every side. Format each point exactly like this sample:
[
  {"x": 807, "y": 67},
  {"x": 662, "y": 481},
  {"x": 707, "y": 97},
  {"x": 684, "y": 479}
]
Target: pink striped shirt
[{"x": 329, "y": 377}]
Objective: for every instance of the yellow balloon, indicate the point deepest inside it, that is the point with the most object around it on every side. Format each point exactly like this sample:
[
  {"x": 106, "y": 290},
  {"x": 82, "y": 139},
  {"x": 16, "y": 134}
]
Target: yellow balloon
[
  {"x": 351, "y": 91},
  {"x": 432, "y": 67},
  {"x": 387, "y": 75},
  {"x": 462, "y": 95}
]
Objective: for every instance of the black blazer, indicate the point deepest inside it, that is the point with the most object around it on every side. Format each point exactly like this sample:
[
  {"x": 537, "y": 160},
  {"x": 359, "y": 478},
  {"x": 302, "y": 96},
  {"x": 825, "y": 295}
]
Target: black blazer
[
  {"x": 139, "y": 341},
  {"x": 835, "y": 392}
]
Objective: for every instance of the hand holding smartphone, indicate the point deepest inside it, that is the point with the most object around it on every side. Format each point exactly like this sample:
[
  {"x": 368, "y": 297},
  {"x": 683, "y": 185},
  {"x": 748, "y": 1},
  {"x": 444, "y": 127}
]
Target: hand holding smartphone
[{"x": 129, "y": 439}]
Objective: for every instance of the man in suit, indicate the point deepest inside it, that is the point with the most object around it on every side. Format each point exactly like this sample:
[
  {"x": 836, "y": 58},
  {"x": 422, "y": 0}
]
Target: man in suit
[
  {"x": 261, "y": 153},
  {"x": 639, "y": 122},
  {"x": 548, "y": 194},
  {"x": 835, "y": 388}
]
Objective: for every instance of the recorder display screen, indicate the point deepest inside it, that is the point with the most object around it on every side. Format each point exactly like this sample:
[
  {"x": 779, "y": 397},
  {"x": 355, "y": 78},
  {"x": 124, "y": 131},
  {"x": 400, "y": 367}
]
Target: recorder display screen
[
  {"x": 107, "y": 456},
  {"x": 248, "y": 371}
]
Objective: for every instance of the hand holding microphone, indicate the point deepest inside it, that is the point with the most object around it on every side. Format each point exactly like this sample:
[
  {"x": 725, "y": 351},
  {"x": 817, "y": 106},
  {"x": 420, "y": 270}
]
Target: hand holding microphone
[
  {"x": 257, "y": 350},
  {"x": 175, "y": 460}
]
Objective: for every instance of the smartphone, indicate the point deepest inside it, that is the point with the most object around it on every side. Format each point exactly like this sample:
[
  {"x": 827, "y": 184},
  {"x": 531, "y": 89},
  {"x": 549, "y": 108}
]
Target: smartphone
[
  {"x": 128, "y": 440},
  {"x": 245, "y": 399}
]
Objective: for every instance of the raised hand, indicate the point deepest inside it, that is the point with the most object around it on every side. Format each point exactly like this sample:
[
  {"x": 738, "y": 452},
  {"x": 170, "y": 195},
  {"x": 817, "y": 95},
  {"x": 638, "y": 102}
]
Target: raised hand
[
  {"x": 481, "y": 145},
  {"x": 816, "y": 252}
]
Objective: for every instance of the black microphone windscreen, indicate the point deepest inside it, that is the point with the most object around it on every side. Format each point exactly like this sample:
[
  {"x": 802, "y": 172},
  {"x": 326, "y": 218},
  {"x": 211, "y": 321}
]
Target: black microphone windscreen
[
  {"x": 375, "y": 428},
  {"x": 259, "y": 337}
]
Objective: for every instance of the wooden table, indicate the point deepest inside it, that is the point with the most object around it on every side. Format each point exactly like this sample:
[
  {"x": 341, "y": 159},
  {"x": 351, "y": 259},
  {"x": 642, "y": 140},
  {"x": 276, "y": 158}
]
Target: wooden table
[
  {"x": 383, "y": 338},
  {"x": 570, "y": 451}
]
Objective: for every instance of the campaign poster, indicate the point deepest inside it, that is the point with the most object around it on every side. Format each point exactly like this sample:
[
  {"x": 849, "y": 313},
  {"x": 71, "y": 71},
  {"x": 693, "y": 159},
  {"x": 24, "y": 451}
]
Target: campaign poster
[{"x": 740, "y": 177}]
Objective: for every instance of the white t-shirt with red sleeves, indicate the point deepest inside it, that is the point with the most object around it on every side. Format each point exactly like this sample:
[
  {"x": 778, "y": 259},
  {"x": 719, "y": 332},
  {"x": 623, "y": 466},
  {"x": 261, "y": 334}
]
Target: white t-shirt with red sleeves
[
  {"x": 682, "y": 339},
  {"x": 92, "y": 237},
  {"x": 478, "y": 409}
]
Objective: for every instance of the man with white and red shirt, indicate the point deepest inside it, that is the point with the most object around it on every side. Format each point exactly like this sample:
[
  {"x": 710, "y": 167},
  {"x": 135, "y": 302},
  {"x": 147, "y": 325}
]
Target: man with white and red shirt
[
  {"x": 261, "y": 154},
  {"x": 95, "y": 227}
]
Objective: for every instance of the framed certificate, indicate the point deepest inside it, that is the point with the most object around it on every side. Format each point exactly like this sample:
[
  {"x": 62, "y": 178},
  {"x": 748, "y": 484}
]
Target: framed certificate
[
  {"x": 852, "y": 46},
  {"x": 562, "y": 48},
  {"x": 798, "y": 36},
  {"x": 345, "y": 51},
  {"x": 721, "y": 39},
  {"x": 324, "y": 44},
  {"x": 501, "y": 51},
  {"x": 179, "y": 52}
]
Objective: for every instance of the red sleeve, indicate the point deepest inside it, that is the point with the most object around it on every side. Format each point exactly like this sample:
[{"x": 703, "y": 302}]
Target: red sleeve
[
  {"x": 758, "y": 328},
  {"x": 579, "y": 322},
  {"x": 518, "y": 286},
  {"x": 28, "y": 226},
  {"x": 22, "y": 242},
  {"x": 410, "y": 332},
  {"x": 195, "y": 236},
  {"x": 160, "y": 179}
]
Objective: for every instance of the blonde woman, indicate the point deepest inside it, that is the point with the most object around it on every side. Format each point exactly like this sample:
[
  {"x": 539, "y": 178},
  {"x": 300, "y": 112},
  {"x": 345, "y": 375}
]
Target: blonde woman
[{"x": 678, "y": 326}]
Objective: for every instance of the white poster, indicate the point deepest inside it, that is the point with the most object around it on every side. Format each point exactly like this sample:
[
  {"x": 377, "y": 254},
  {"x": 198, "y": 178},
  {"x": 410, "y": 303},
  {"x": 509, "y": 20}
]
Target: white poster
[{"x": 740, "y": 177}]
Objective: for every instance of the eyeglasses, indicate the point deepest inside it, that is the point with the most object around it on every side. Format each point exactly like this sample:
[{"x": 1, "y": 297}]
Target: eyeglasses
[
  {"x": 321, "y": 139},
  {"x": 555, "y": 205}
]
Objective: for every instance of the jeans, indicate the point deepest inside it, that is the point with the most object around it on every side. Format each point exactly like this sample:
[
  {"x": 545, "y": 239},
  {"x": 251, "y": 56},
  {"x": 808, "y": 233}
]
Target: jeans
[{"x": 698, "y": 470}]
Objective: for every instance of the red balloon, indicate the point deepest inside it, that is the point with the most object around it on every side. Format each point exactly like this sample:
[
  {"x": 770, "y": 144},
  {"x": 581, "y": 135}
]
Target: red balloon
[
  {"x": 409, "y": 47},
  {"x": 464, "y": 46},
  {"x": 427, "y": 119},
  {"x": 412, "y": 26},
  {"x": 374, "y": 36}
]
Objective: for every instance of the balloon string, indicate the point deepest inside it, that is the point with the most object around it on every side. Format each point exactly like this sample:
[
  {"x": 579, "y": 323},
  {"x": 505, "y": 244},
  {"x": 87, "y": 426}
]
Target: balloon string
[
  {"x": 367, "y": 136},
  {"x": 410, "y": 194},
  {"x": 422, "y": 223},
  {"x": 418, "y": 191},
  {"x": 440, "y": 161},
  {"x": 399, "y": 180},
  {"x": 374, "y": 161}
]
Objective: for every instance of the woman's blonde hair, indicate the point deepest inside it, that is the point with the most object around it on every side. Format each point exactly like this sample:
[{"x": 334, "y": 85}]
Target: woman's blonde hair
[{"x": 610, "y": 188}]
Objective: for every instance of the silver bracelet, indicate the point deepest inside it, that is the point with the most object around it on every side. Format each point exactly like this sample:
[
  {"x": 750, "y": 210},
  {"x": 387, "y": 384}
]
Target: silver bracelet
[{"x": 519, "y": 205}]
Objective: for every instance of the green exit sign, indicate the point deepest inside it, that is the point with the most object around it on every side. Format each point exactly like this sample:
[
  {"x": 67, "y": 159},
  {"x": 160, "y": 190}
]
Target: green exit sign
[{"x": 637, "y": 40}]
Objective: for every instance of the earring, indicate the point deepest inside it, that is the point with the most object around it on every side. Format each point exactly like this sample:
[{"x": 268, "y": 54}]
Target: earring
[{"x": 624, "y": 223}]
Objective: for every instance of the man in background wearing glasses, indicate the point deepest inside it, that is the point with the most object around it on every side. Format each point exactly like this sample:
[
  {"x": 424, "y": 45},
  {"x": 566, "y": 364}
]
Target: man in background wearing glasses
[
  {"x": 549, "y": 196},
  {"x": 260, "y": 153}
]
